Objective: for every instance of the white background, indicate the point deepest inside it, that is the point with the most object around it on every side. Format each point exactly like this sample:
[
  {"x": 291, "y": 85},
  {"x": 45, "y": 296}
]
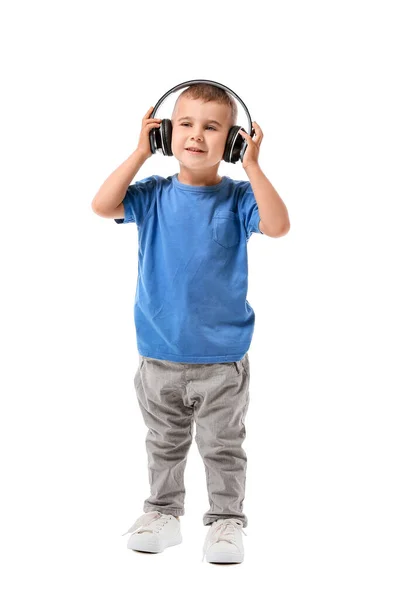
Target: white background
[{"x": 322, "y": 495}]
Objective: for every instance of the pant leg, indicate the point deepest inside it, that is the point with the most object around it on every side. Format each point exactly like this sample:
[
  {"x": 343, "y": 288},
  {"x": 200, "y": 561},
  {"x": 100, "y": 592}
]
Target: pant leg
[
  {"x": 222, "y": 392},
  {"x": 160, "y": 387}
]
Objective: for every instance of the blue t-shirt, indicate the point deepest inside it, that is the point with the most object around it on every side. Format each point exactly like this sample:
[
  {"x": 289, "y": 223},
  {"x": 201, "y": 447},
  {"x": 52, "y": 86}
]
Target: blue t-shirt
[{"x": 190, "y": 304}]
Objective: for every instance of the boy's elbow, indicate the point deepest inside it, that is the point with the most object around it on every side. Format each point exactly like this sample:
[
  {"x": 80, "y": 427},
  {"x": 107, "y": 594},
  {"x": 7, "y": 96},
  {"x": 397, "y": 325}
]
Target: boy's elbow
[
  {"x": 285, "y": 230},
  {"x": 94, "y": 206},
  {"x": 276, "y": 233}
]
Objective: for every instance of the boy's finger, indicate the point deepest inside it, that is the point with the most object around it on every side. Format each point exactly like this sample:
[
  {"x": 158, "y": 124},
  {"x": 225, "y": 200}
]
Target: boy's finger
[{"x": 257, "y": 128}]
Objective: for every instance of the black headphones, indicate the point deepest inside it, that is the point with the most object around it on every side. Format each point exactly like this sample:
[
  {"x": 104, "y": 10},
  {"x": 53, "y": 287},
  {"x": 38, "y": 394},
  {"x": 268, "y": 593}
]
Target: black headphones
[{"x": 235, "y": 147}]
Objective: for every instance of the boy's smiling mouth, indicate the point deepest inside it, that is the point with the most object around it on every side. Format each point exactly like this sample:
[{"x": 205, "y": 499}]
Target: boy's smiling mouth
[{"x": 195, "y": 150}]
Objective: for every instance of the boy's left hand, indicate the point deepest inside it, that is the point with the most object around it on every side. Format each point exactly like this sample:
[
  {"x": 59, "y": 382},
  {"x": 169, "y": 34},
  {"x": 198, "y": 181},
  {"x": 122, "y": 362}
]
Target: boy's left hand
[{"x": 253, "y": 145}]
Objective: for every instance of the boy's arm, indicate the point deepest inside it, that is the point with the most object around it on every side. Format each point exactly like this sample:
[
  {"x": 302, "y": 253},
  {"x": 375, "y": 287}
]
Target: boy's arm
[
  {"x": 274, "y": 216},
  {"x": 113, "y": 190}
]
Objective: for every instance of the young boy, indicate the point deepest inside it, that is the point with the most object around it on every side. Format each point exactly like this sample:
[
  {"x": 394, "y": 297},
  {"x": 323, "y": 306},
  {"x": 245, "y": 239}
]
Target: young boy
[{"x": 193, "y": 322}]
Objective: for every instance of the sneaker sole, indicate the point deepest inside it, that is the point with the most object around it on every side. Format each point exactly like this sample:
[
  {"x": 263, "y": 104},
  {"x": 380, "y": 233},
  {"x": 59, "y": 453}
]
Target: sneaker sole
[
  {"x": 145, "y": 545},
  {"x": 224, "y": 557}
]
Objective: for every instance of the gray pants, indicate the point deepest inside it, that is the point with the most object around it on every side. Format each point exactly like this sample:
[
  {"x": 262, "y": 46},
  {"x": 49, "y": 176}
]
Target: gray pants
[{"x": 216, "y": 396}]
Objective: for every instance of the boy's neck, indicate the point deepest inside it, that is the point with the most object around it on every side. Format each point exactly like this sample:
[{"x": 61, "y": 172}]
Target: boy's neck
[{"x": 200, "y": 179}]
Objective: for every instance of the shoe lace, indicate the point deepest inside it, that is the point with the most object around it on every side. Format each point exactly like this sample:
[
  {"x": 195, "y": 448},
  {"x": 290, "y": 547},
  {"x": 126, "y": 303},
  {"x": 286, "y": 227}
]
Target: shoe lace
[
  {"x": 223, "y": 531},
  {"x": 152, "y": 522}
]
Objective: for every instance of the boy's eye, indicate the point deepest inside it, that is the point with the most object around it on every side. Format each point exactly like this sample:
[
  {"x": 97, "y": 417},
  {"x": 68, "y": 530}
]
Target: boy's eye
[{"x": 209, "y": 127}]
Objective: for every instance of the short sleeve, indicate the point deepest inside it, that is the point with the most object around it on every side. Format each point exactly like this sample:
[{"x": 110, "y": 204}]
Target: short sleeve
[
  {"x": 248, "y": 210},
  {"x": 138, "y": 200}
]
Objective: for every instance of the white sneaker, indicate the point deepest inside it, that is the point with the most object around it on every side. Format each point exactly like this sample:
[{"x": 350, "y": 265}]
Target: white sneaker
[
  {"x": 153, "y": 532},
  {"x": 223, "y": 543}
]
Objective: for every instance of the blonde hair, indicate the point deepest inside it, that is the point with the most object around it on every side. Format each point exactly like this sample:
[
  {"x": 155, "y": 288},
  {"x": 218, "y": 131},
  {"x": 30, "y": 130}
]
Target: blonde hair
[{"x": 210, "y": 93}]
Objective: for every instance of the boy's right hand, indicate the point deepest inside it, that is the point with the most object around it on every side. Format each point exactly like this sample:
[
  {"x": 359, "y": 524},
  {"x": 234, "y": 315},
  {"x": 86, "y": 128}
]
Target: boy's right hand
[{"x": 144, "y": 140}]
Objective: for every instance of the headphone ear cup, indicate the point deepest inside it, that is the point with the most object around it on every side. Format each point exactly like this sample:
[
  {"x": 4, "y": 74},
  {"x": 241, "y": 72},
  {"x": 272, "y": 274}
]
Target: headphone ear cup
[
  {"x": 166, "y": 136},
  {"x": 234, "y": 145},
  {"x": 155, "y": 140},
  {"x": 160, "y": 138}
]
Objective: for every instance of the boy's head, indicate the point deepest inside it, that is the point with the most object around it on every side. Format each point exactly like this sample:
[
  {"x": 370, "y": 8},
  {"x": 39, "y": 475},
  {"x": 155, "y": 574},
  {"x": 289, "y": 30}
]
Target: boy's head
[{"x": 192, "y": 126}]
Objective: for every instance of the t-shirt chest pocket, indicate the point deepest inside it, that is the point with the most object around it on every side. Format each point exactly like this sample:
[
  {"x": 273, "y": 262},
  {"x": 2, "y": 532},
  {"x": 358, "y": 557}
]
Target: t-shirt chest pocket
[{"x": 226, "y": 228}]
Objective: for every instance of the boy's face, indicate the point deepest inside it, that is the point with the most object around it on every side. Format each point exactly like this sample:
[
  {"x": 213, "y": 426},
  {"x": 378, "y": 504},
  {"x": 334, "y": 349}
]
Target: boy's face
[{"x": 197, "y": 130}]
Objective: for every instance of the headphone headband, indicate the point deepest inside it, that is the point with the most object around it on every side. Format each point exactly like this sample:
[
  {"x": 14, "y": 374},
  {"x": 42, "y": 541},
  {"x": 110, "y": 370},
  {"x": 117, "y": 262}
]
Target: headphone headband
[{"x": 193, "y": 81}]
